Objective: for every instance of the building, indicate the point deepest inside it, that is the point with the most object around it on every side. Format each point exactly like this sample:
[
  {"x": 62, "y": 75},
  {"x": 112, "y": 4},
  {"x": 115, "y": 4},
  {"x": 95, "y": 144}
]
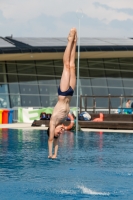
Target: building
[{"x": 30, "y": 70}]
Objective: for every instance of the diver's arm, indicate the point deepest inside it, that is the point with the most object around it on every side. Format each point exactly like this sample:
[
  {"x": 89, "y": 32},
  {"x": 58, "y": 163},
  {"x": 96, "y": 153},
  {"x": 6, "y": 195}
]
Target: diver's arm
[
  {"x": 55, "y": 147},
  {"x": 51, "y": 138}
]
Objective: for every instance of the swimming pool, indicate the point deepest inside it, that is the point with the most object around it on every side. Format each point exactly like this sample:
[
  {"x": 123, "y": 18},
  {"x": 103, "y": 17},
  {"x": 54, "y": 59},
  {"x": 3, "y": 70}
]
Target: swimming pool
[{"x": 91, "y": 165}]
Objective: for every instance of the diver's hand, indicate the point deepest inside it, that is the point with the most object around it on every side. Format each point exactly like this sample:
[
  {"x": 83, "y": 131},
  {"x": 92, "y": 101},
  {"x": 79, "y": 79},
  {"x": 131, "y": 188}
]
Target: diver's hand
[
  {"x": 50, "y": 156},
  {"x": 54, "y": 156}
]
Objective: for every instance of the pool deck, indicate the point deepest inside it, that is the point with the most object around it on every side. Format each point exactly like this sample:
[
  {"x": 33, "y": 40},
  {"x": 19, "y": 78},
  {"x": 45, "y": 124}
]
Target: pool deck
[{"x": 29, "y": 127}]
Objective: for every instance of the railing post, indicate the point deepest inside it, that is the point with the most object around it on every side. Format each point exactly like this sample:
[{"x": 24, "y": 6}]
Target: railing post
[{"x": 109, "y": 103}]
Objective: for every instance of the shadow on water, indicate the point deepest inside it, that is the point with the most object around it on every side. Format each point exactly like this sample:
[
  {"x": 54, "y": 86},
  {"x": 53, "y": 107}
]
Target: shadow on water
[{"x": 92, "y": 165}]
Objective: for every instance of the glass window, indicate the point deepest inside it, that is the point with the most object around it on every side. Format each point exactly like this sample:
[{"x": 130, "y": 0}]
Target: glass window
[
  {"x": 112, "y": 68},
  {"x": 28, "y": 89},
  {"x": 13, "y": 88},
  {"x": 4, "y": 101},
  {"x": 87, "y": 101},
  {"x": 128, "y": 91},
  {"x": 35, "y": 83},
  {"x": 48, "y": 100},
  {"x": 11, "y": 67},
  {"x": 58, "y": 63},
  {"x": 96, "y": 64},
  {"x": 115, "y": 103},
  {"x": 83, "y": 68},
  {"x": 99, "y": 82},
  {"x": 101, "y": 102},
  {"x": 97, "y": 73},
  {"x": 113, "y": 74},
  {"x": 58, "y": 67},
  {"x": 75, "y": 91},
  {"x": 111, "y": 64},
  {"x": 100, "y": 91},
  {"x": 47, "y": 89},
  {"x": 73, "y": 102},
  {"x": 86, "y": 91},
  {"x": 30, "y": 101},
  {"x": 83, "y": 63},
  {"x": 117, "y": 87},
  {"x": 49, "y": 80},
  {"x": 26, "y": 67},
  {"x": 2, "y": 67},
  {"x": 3, "y": 88},
  {"x": 45, "y": 68},
  {"x": 126, "y": 64},
  {"x": 116, "y": 91},
  {"x": 15, "y": 100},
  {"x": 58, "y": 81},
  {"x": 58, "y": 71},
  {"x": 85, "y": 81},
  {"x": 2, "y": 79},
  {"x": 114, "y": 82},
  {"x": 98, "y": 79},
  {"x": 128, "y": 82},
  {"x": 4, "y": 97},
  {"x": 27, "y": 79},
  {"x": 12, "y": 78}
]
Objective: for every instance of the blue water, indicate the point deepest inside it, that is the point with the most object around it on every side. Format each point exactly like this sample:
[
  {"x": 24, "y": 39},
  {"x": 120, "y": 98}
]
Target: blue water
[{"x": 91, "y": 165}]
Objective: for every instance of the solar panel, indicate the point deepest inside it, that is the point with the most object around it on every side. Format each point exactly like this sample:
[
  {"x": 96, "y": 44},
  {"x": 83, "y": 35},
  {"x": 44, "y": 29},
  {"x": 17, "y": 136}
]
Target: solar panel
[
  {"x": 4, "y": 43},
  {"x": 50, "y": 42},
  {"x": 106, "y": 41},
  {"x": 42, "y": 42},
  {"x": 119, "y": 41}
]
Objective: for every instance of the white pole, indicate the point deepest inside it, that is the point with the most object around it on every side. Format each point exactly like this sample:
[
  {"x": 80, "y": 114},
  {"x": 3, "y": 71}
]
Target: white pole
[{"x": 78, "y": 77}]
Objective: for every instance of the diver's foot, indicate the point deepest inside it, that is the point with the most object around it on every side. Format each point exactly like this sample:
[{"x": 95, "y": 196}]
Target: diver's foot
[
  {"x": 71, "y": 35},
  {"x": 75, "y": 38}
]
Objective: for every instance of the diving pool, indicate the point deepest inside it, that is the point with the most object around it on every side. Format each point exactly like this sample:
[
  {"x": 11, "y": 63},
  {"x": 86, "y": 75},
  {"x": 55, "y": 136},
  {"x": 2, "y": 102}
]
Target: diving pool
[{"x": 90, "y": 165}]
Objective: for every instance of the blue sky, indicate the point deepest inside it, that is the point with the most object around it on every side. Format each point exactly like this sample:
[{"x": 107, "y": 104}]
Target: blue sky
[{"x": 54, "y": 18}]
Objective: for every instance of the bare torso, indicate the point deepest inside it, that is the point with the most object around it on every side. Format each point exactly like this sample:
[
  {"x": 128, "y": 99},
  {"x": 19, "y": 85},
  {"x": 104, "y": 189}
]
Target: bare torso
[{"x": 61, "y": 110}]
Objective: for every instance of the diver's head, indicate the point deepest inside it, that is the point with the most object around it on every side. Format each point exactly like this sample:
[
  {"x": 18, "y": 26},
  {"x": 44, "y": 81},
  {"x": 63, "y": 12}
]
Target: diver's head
[{"x": 58, "y": 130}]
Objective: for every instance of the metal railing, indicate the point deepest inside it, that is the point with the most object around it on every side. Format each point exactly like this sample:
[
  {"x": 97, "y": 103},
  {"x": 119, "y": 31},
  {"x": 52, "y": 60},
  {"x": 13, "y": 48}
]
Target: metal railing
[{"x": 109, "y": 109}]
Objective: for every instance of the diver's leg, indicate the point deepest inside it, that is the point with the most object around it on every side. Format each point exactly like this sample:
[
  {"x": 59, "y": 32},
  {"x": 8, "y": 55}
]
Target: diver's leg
[
  {"x": 65, "y": 78},
  {"x": 72, "y": 64}
]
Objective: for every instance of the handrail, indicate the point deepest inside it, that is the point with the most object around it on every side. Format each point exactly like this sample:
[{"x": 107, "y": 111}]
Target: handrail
[{"x": 94, "y": 102}]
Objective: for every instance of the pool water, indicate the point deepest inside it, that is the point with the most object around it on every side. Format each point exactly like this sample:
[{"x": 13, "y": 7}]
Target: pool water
[{"x": 90, "y": 165}]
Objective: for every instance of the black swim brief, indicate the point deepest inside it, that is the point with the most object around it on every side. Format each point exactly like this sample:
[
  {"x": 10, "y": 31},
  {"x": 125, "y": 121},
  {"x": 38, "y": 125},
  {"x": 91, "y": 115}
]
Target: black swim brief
[{"x": 69, "y": 92}]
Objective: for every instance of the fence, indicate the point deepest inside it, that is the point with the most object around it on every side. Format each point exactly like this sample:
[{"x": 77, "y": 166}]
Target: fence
[
  {"x": 110, "y": 107},
  {"x": 112, "y": 103}
]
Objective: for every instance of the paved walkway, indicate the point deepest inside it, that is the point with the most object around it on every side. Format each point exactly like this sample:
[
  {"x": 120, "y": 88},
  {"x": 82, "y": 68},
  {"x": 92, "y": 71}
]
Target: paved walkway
[{"x": 28, "y": 126}]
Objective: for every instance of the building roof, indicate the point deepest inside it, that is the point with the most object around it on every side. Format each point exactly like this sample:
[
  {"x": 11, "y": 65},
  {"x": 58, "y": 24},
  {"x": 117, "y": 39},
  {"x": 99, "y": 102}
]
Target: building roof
[{"x": 43, "y": 45}]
